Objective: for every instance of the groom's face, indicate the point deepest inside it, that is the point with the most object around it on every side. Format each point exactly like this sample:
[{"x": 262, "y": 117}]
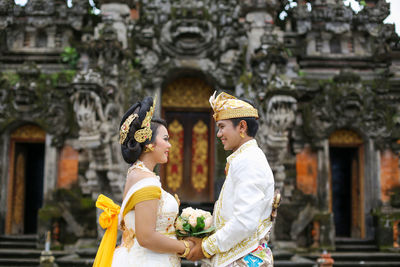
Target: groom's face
[{"x": 229, "y": 134}]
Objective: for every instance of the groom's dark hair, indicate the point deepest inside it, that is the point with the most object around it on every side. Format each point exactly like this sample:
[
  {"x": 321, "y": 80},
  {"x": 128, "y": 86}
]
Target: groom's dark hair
[{"x": 252, "y": 123}]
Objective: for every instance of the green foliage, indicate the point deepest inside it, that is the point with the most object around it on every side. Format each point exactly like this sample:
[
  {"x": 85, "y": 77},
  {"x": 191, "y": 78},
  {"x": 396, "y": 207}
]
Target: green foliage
[
  {"x": 49, "y": 212},
  {"x": 200, "y": 225},
  {"x": 204, "y": 232},
  {"x": 70, "y": 56},
  {"x": 245, "y": 79},
  {"x": 186, "y": 227},
  {"x": 363, "y": 3},
  {"x": 288, "y": 51},
  {"x": 12, "y": 77}
]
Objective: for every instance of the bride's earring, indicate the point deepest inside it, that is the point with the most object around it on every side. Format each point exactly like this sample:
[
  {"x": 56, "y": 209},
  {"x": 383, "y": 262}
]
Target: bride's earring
[
  {"x": 241, "y": 134},
  {"x": 149, "y": 148}
]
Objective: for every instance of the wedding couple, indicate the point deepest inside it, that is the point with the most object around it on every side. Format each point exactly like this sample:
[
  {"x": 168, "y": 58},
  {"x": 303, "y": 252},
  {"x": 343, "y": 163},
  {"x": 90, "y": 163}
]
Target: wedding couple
[{"x": 242, "y": 214}]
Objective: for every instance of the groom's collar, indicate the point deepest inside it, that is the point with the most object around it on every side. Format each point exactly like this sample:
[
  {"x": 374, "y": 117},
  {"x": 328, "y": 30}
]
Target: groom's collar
[{"x": 242, "y": 148}]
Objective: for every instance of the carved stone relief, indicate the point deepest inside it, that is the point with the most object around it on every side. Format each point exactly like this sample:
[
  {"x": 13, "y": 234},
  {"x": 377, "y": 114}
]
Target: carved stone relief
[
  {"x": 347, "y": 103},
  {"x": 30, "y": 99},
  {"x": 276, "y": 120},
  {"x": 95, "y": 114}
]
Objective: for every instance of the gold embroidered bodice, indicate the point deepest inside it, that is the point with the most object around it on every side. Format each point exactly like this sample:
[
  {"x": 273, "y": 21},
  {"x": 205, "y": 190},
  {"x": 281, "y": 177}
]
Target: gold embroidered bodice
[{"x": 167, "y": 212}]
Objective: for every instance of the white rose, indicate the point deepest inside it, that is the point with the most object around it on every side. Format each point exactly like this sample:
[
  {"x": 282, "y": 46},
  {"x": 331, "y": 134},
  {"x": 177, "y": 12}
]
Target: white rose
[
  {"x": 187, "y": 212},
  {"x": 193, "y": 221},
  {"x": 208, "y": 222}
]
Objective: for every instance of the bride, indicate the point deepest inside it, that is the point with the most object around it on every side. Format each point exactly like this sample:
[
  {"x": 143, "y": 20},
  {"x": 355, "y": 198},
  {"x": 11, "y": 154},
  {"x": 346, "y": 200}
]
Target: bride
[{"x": 148, "y": 213}]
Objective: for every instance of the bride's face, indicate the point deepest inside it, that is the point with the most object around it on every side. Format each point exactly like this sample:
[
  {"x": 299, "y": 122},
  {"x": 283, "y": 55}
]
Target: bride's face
[{"x": 161, "y": 145}]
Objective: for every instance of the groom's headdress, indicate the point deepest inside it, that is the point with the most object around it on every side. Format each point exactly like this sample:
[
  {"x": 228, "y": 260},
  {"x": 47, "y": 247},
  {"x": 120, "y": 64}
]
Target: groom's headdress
[{"x": 226, "y": 106}]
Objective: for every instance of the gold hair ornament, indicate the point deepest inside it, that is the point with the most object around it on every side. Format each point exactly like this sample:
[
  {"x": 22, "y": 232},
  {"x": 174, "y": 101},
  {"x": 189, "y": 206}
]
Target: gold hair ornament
[
  {"x": 145, "y": 133},
  {"x": 123, "y": 132}
]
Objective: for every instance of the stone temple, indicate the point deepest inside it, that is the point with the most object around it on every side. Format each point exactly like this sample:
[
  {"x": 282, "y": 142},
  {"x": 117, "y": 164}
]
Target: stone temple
[{"x": 326, "y": 81}]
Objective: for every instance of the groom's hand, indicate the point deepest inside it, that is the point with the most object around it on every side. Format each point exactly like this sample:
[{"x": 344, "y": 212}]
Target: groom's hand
[{"x": 196, "y": 253}]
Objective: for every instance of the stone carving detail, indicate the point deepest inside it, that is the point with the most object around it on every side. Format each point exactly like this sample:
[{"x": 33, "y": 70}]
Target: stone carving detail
[
  {"x": 332, "y": 22},
  {"x": 40, "y": 25},
  {"x": 269, "y": 65},
  {"x": 347, "y": 103},
  {"x": 98, "y": 100},
  {"x": 31, "y": 100},
  {"x": 96, "y": 114},
  {"x": 276, "y": 120},
  {"x": 208, "y": 31},
  {"x": 272, "y": 90}
]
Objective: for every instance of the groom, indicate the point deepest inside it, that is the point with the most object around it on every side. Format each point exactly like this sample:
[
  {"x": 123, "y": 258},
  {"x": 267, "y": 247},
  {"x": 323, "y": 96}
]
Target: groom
[{"x": 242, "y": 213}]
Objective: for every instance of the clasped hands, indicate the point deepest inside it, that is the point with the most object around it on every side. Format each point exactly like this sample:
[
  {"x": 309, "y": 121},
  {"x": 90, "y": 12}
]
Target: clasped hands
[{"x": 196, "y": 253}]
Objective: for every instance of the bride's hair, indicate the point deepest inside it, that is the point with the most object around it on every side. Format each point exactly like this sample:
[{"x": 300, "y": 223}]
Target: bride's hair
[{"x": 130, "y": 148}]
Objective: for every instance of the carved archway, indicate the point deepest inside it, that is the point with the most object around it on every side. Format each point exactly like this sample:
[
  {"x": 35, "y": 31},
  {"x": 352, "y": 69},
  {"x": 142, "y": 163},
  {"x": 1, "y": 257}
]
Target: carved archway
[{"x": 346, "y": 159}]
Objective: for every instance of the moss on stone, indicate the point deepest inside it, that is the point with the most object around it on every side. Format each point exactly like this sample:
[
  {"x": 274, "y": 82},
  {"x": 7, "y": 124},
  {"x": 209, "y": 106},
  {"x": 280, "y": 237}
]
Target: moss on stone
[
  {"x": 82, "y": 209},
  {"x": 49, "y": 212},
  {"x": 11, "y": 77}
]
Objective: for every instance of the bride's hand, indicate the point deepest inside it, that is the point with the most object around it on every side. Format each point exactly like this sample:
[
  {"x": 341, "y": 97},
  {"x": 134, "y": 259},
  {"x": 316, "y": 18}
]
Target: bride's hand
[
  {"x": 191, "y": 243},
  {"x": 196, "y": 253}
]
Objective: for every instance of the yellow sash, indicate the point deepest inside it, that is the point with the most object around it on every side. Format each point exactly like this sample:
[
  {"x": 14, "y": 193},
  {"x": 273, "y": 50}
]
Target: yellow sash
[
  {"x": 108, "y": 219},
  {"x": 146, "y": 193}
]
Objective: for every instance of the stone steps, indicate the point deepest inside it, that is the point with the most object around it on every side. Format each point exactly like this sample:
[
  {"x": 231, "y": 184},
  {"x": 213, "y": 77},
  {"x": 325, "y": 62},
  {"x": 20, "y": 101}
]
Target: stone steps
[
  {"x": 84, "y": 258},
  {"x": 17, "y": 245},
  {"x": 20, "y": 262},
  {"x": 353, "y": 241},
  {"x": 355, "y": 245},
  {"x": 357, "y": 252},
  {"x": 356, "y": 248},
  {"x": 18, "y": 241},
  {"x": 26, "y": 253},
  {"x": 19, "y": 250},
  {"x": 31, "y": 238},
  {"x": 367, "y": 264}
]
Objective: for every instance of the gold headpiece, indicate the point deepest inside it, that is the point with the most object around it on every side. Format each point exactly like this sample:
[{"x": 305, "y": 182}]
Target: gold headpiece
[
  {"x": 123, "y": 132},
  {"x": 146, "y": 133},
  {"x": 226, "y": 106}
]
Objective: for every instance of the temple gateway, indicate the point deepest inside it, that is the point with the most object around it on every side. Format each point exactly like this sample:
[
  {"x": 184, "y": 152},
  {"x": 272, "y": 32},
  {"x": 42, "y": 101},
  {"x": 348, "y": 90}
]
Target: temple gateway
[{"x": 326, "y": 81}]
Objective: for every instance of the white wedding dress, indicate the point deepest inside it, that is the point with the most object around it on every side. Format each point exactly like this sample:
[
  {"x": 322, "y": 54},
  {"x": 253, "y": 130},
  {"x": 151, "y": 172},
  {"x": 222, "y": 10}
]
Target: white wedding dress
[{"x": 130, "y": 253}]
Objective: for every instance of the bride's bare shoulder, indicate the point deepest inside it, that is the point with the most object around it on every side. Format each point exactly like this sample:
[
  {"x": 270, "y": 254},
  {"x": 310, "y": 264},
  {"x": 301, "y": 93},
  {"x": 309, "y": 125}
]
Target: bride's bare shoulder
[{"x": 135, "y": 176}]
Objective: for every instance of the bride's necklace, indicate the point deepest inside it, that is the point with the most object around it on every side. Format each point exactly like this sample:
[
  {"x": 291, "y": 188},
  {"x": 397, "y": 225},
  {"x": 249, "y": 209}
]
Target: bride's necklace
[{"x": 140, "y": 165}]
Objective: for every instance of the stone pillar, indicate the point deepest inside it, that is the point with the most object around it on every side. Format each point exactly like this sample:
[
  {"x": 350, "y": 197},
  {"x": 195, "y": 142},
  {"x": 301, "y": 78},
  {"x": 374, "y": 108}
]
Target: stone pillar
[
  {"x": 4, "y": 161},
  {"x": 51, "y": 37},
  {"x": 50, "y": 168},
  {"x": 323, "y": 185},
  {"x": 258, "y": 26},
  {"x": 327, "y": 226},
  {"x": 371, "y": 185}
]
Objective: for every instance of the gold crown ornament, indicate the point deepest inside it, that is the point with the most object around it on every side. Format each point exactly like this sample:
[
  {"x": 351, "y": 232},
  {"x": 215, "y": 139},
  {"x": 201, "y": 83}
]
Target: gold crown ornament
[
  {"x": 145, "y": 133},
  {"x": 226, "y": 107},
  {"x": 123, "y": 132}
]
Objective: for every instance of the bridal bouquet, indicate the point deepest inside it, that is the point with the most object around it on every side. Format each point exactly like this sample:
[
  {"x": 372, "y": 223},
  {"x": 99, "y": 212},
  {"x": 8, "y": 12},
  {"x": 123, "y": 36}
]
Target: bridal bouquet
[{"x": 194, "y": 222}]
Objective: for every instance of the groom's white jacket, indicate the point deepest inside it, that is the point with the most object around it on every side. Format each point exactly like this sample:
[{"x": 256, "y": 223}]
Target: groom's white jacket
[{"x": 242, "y": 211}]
